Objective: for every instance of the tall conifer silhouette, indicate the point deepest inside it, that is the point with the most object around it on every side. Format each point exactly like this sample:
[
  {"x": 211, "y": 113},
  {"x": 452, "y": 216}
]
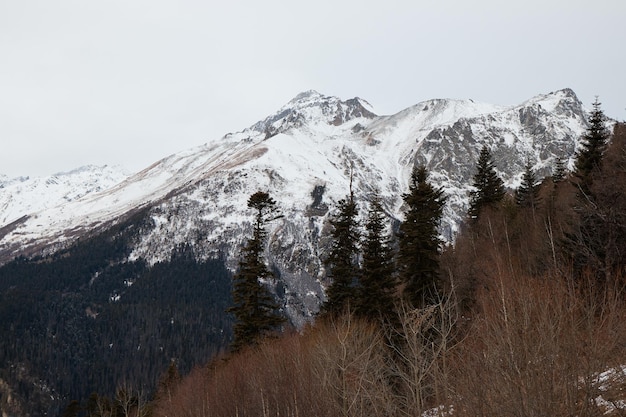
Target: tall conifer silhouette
[
  {"x": 419, "y": 242},
  {"x": 255, "y": 310}
]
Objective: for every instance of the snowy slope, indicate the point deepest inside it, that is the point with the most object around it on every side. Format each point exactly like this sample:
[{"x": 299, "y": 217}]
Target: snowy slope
[
  {"x": 304, "y": 155},
  {"x": 23, "y": 195}
]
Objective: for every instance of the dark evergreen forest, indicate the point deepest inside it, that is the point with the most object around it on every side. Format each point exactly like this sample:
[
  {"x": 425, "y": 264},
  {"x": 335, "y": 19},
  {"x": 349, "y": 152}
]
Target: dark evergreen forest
[{"x": 83, "y": 320}]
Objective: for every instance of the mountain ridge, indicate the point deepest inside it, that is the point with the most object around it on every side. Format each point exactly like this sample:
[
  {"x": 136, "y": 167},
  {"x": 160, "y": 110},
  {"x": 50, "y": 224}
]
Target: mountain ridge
[
  {"x": 21, "y": 196},
  {"x": 306, "y": 155},
  {"x": 147, "y": 261}
]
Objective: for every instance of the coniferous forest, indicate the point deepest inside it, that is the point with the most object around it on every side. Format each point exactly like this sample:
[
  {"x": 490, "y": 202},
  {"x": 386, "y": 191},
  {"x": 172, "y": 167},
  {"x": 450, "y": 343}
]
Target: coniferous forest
[
  {"x": 82, "y": 321},
  {"x": 520, "y": 315}
]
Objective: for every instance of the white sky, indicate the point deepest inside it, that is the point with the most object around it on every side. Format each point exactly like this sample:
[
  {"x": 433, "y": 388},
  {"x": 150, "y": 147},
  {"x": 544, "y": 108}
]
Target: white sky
[{"x": 131, "y": 81}]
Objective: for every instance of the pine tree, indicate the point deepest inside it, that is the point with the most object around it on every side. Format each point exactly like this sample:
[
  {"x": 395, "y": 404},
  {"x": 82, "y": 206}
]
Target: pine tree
[
  {"x": 593, "y": 145},
  {"x": 256, "y": 312},
  {"x": 419, "y": 242},
  {"x": 378, "y": 284},
  {"x": 527, "y": 195},
  {"x": 342, "y": 262},
  {"x": 489, "y": 188}
]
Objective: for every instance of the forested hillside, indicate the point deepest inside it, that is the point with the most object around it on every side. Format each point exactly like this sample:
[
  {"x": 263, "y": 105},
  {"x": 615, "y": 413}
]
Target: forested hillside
[
  {"x": 83, "y": 320},
  {"x": 526, "y": 315},
  {"x": 528, "y": 299}
]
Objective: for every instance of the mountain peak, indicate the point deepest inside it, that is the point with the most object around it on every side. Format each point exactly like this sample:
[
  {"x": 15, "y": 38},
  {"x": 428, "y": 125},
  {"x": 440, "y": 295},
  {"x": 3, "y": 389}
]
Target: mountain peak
[
  {"x": 562, "y": 102},
  {"x": 306, "y": 96},
  {"x": 312, "y": 107},
  {"x": 567, "y": 92}
]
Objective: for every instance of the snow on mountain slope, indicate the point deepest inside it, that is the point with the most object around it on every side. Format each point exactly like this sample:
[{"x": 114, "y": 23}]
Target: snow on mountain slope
[
  {"x": 63, "y": 222},
  {"x": 306, "y": 155},
  {"x": 21, "y": 196}
]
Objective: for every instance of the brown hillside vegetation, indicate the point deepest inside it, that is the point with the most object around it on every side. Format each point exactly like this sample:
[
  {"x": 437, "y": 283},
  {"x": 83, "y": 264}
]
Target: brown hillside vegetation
[
  {"x": 535, "y": 349},
  {"x": 533, "y": 312}
]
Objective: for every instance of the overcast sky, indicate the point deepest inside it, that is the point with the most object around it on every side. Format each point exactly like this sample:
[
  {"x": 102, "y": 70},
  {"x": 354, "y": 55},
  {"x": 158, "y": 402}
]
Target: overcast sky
[{"x": 131, "y": 81}]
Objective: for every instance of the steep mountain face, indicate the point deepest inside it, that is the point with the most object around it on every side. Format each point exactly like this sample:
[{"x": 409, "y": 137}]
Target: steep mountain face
[{"x": 306, "y": 155}]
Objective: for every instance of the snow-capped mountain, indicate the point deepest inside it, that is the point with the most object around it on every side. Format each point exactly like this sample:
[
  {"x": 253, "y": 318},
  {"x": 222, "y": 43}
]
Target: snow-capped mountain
[
  {"x": 306, "y": 155},
  {"x": 24, "y": 195}
]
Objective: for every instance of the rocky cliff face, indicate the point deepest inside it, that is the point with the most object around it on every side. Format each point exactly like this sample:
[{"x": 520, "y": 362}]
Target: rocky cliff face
[{"x": 305, "y": 156}]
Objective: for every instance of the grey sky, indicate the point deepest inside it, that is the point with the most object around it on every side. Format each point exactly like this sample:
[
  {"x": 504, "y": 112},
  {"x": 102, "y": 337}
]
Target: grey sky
[{"x": 131, "y": 81}]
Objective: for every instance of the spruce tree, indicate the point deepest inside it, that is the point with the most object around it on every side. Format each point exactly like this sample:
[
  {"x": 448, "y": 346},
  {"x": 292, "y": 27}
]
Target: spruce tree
[
  {"x": 342, "y": 261},
  {"x": 593, "y": 145},
  {"x": 378, "y": 284},
  {"x": 255, "y": 310},
  {"x": 527, "y": 194},
  {"x": 419, "y": 242},
  {"x": 489, "y": 188}
]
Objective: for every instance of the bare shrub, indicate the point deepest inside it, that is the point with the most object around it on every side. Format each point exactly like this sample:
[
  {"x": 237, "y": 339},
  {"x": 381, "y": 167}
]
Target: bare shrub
[
  {"x": 351, "y": 362},
  {"x": 534, "y": 348},
  {"x": 337, "y": 368},
  {"x": 273, "y": 379},
  {"x": 422, "y": 350}
]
